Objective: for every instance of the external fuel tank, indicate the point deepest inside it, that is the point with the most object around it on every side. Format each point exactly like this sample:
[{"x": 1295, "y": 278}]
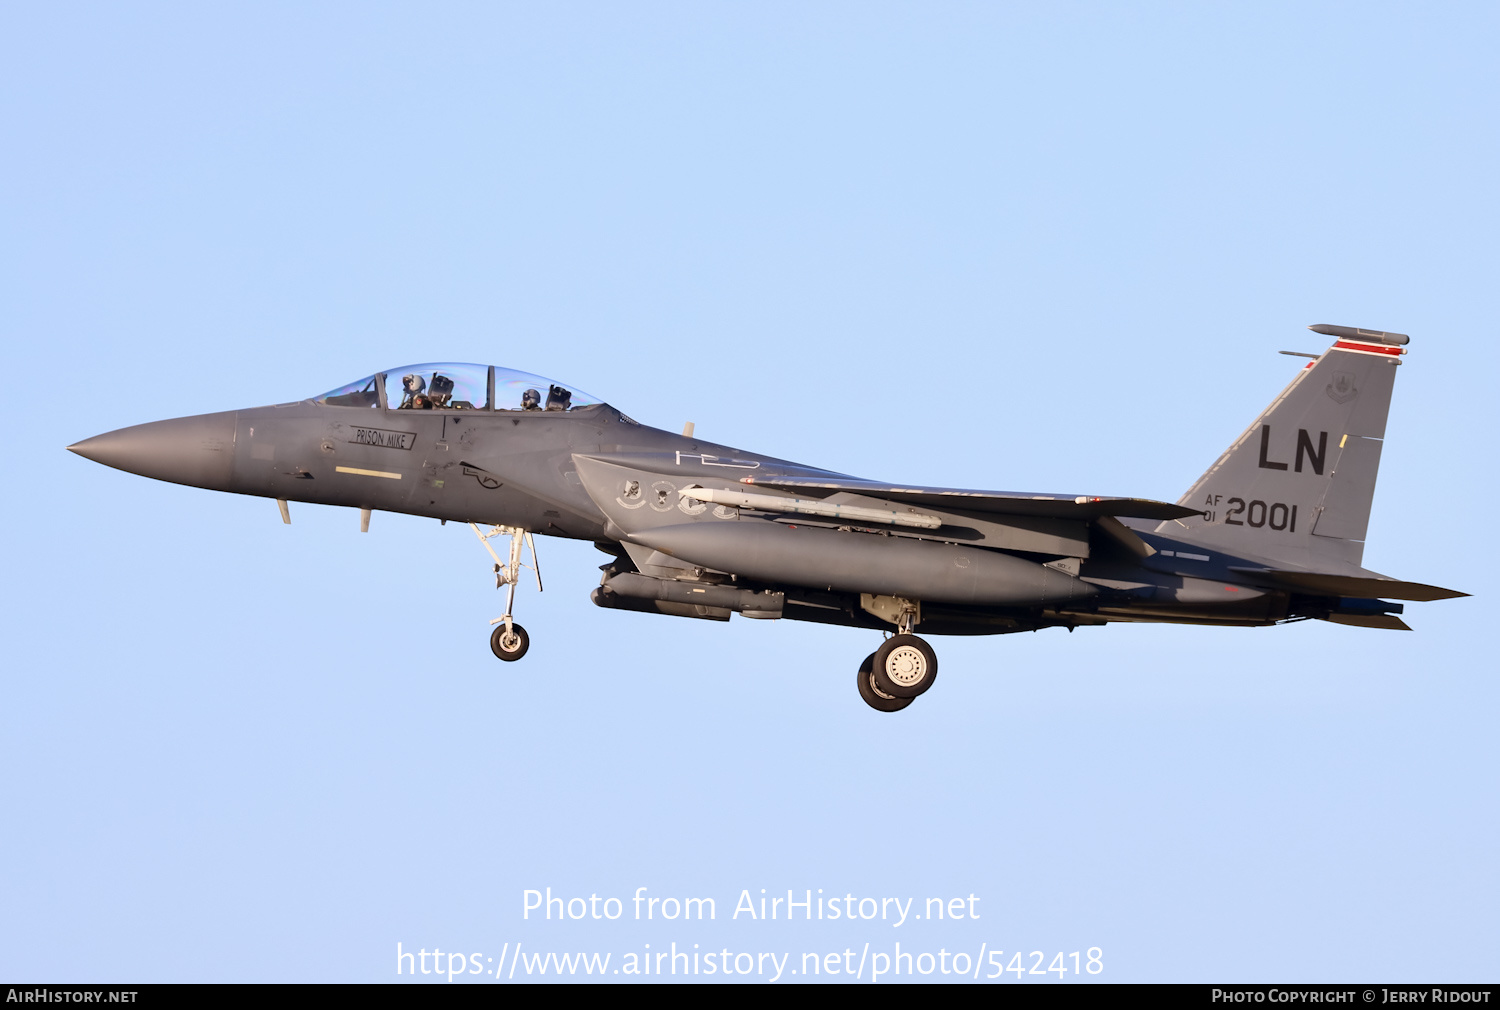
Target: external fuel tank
[{"x": 856, "y": 562}]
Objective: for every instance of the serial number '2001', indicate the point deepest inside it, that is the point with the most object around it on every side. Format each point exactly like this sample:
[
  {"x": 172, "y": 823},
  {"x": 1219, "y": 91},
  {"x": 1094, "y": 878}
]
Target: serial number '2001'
[{"x": 1276, "y": 515}]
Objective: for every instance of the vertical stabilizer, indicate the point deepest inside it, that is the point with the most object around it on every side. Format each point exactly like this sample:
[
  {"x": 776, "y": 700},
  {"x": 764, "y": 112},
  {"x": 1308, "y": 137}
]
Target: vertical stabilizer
[{"x": 1296, "y": 487}]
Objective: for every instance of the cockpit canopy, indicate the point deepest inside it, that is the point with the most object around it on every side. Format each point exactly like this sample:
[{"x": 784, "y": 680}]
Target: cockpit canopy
[{"x": 458, "y": 386}]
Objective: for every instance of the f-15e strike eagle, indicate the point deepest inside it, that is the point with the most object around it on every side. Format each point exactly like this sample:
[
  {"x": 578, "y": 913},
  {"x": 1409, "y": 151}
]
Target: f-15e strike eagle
[{"x": 1272, "y": 532}]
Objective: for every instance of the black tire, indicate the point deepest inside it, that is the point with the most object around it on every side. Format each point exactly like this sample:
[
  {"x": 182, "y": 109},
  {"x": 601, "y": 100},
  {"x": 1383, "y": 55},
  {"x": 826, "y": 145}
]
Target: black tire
[
  {"x": 876, "y": 700},
  {"x": 904, "y": 667},
  {"x": 521, "y": 643}
]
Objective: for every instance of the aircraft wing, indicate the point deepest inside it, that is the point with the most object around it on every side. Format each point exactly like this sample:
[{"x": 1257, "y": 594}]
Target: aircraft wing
[
  {"x": 1348, "y": 585},
  {"x": 1000, "y": 502}
]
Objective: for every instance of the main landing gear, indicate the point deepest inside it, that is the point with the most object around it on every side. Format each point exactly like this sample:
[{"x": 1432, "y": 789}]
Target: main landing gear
[
  {"x": 871, "y": 694},
  {"x": 903, "y": 667},
  {"x": 509, "y": 640}
]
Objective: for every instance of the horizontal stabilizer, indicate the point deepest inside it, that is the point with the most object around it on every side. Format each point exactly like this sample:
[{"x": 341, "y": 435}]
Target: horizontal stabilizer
[
  {"x": 1348, "y": 585},
  {"x": 1389, "y": 622},
  {"x": 1002, "y": 502}
]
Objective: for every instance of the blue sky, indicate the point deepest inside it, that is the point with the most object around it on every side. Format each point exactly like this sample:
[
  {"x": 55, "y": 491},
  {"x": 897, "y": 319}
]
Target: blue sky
[{"x": 1045, "y": 247}]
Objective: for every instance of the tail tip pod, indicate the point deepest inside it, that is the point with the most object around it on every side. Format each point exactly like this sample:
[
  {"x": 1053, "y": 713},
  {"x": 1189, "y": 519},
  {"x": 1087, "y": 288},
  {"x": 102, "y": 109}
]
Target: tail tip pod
[{"x": 1363, "y": 336}]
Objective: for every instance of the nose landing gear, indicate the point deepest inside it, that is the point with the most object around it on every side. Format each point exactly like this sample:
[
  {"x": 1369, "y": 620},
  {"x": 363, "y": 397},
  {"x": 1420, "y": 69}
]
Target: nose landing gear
[{"x": 509, "y": 641}]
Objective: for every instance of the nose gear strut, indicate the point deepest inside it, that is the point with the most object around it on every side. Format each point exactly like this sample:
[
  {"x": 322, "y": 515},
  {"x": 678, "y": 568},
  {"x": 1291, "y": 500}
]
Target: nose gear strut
[{"x": 509, "y": 641}]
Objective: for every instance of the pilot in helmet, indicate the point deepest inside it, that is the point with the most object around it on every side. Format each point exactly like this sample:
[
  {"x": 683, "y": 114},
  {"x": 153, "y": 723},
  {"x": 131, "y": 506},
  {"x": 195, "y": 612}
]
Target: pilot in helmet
[
  {"x": 531, "y": 400},
  {"x": 413, "y": 384}
]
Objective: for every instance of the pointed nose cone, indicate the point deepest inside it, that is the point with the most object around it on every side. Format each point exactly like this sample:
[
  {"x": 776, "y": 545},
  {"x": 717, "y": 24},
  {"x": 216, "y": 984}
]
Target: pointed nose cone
[{"x": 185, "y": 450}]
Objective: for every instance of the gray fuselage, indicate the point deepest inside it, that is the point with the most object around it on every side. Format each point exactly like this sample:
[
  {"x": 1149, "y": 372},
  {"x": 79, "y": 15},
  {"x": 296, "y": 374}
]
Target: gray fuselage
[{"x": 521, "y": 468}]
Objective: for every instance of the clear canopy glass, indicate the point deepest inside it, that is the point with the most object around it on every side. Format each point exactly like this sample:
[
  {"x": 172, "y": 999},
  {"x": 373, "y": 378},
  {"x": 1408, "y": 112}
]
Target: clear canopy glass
[
  {"x": 356, "y": 394},
  {"x": 459, "y": 386}
]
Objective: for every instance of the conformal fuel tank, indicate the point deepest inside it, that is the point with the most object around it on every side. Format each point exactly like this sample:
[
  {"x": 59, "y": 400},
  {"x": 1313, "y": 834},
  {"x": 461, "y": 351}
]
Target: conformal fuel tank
[{"x": 853, "y": 562}]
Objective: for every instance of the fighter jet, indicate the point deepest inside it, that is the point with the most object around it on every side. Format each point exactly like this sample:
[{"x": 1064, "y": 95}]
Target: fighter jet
[{"x": 1273, "y": 532}]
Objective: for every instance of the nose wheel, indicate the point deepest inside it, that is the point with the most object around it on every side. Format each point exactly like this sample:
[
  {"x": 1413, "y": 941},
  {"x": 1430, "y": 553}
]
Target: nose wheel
[{"x": 509, "y": 640}]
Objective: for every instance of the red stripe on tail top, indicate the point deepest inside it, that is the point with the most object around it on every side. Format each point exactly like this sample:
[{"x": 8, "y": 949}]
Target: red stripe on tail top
[{"x": 1350, "y": 345}]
